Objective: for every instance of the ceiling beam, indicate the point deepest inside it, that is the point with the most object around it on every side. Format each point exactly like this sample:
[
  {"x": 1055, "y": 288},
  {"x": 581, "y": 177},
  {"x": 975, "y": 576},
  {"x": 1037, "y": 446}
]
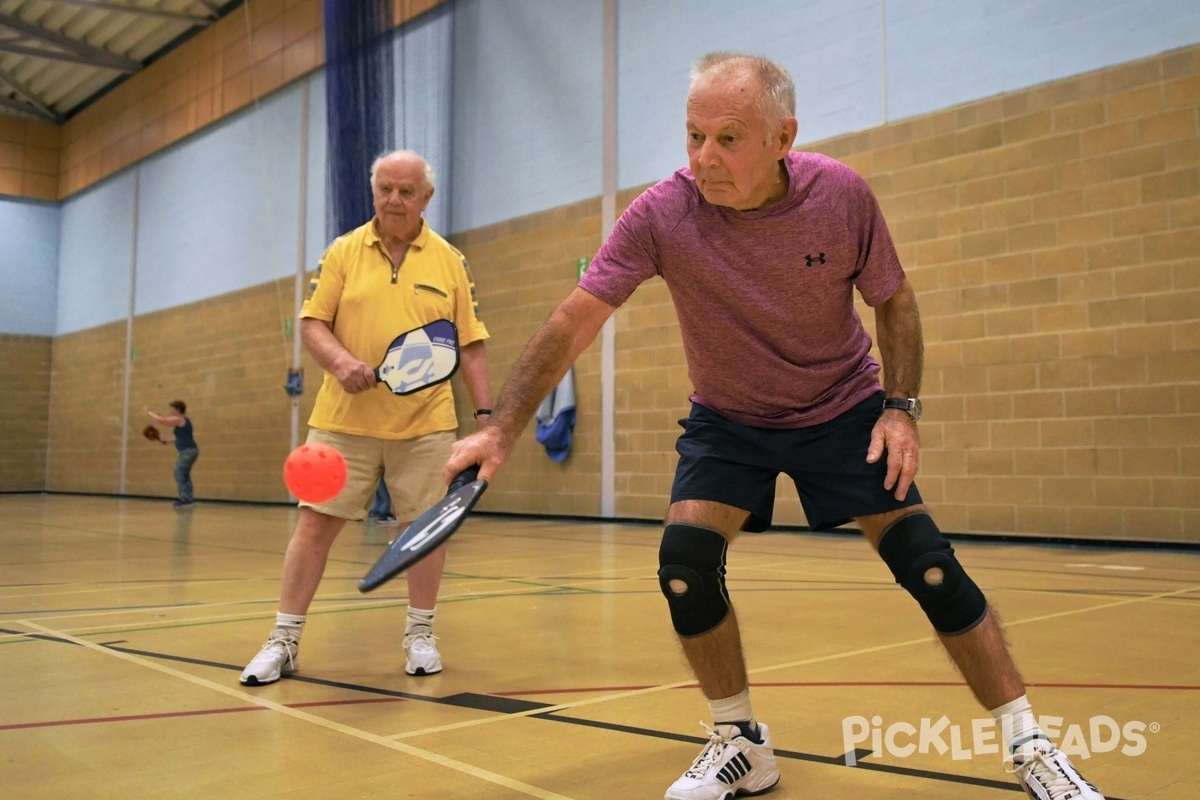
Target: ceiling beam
[
  {"x": 32, "y": 105},
  {"x": 178, "y": 16},
  {"x": 26, "y": 111},
  {"x": 53, "y": 55},
  {"x": 81, "y": 50}
]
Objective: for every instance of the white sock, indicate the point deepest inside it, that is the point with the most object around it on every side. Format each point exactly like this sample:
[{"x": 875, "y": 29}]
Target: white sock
[
  {"x": 292, "y": 623},
  {"x": 419, "y": 620},
  {"x": 735, "y": 709},
  {"x": 1018, "y": 726}
]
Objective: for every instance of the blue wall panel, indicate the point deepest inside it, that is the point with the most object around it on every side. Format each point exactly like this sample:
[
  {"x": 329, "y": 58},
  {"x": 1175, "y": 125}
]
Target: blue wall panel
[
  {"x": 220, "y": 212},
  {"x": 94, "y": 255},
  {"x": 527, "y": 108},
  {"x": 832, "y": 48},
  {"x": 940, "y": 53},
  {"x": 29, "y": 233}
]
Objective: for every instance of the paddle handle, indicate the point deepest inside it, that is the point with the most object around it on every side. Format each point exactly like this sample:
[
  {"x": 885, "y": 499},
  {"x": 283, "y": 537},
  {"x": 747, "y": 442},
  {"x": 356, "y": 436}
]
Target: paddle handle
[{"x": 468, "y": 475}]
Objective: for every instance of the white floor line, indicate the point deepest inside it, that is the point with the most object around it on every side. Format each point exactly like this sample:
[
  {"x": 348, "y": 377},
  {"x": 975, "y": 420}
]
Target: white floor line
[{"x": 443, "y": 761}]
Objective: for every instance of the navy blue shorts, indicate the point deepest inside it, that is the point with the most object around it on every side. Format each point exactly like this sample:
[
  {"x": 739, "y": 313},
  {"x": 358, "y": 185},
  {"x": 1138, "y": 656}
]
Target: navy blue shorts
[{"x": 737, "y": 465}]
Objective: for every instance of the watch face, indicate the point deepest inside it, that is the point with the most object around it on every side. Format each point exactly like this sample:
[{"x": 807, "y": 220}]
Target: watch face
[{"x": 909, "y": 405}]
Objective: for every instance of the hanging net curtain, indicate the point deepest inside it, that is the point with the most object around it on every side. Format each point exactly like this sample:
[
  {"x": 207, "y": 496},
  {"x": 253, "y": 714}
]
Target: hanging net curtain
[{"x": 360, "y": 113}]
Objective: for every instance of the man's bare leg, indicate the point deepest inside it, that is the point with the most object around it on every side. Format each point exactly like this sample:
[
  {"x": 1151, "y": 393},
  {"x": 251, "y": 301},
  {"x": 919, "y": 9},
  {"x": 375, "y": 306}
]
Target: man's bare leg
[
  {"x": 739, "y": 744},
  {"x": 981, "y": 654},
  {"x": 425, "y": 577},
  {"x": 304, "y": 562},
  {"x": 715, "y": 657},
  {"x": 303, "y": 566}
]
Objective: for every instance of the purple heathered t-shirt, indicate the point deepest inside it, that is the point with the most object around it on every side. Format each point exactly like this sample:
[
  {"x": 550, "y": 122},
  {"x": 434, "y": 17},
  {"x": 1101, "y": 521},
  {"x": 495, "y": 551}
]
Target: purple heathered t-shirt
[{"x": 764, "y": 297}]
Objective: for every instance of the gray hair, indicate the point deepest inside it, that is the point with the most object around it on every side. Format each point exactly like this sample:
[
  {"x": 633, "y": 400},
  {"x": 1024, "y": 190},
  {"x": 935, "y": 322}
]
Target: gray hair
[
  {"x": 429, "y": 173},
  {"x": 777, "y": 100}
]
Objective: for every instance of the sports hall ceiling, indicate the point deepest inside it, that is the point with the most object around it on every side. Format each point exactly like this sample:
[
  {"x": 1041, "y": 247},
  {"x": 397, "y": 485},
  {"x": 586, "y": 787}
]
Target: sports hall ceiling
[{"x": 57, "y": 56}]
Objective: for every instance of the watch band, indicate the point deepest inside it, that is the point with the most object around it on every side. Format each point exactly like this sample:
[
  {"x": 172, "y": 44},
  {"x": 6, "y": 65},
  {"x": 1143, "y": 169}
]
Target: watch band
[{"x": 909, "y": 405}]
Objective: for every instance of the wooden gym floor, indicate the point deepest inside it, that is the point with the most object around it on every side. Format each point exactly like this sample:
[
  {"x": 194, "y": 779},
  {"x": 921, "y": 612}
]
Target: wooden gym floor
[{"x": 124, "y": 626}]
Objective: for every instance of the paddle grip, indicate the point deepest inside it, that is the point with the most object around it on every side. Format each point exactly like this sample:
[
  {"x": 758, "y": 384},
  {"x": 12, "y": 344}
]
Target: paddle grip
[{"x": 468, "y": 475}]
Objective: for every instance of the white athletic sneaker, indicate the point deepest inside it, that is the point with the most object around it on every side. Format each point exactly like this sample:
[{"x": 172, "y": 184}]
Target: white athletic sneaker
[
  {"x": 423, "y": 655},
  {"x": 729, "y": 765},
  {"x": 1046, "y": 774},
  {"x": 279, "y": 656}
]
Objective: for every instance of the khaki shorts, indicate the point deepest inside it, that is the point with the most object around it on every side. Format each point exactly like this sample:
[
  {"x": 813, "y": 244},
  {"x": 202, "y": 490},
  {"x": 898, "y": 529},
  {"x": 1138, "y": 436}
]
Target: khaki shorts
[{"x": 413, "y": 468}]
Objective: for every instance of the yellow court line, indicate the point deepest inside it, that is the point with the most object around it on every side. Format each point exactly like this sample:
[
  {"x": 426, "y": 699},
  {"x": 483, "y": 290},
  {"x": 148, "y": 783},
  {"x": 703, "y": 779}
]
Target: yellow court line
[
  {"x": 803, "y": 662},
  {"x": 442, "y": 761}
]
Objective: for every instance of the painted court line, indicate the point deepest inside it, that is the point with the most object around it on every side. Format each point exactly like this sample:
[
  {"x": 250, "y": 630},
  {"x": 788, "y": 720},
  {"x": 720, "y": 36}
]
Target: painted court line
[
  {"x": 442, "y": 761},
  {"x": 621, "y": 695},
  {"x": 203, "y": 712}
]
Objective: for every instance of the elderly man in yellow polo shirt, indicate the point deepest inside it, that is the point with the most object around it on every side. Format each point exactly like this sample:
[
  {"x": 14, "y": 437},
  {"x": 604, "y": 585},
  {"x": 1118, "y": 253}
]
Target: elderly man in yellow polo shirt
[{"x": 390, "y": 276}]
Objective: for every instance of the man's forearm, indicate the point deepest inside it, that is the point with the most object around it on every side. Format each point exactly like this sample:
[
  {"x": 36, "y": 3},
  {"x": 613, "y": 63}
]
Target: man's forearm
[
  {"x": 546, "y": 358},
  {"x": 320, "y": 342},
  {"x": 901, "y": 344},
  {"x": 538, "y": 369},
  {"x": 475, "y": 374}
]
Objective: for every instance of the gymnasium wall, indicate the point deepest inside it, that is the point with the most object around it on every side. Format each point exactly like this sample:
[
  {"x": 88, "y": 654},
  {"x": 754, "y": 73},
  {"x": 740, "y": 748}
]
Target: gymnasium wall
[
  {"x": 29, "y": 256},
  {"x": 25, "y": 376},
  {"x": 198, "y": 231},
  {"x": 528, "y": 75},
  {"x": 226, "y": 357},
  {"x": 1052, "y": 234},
  {"x": 29, "y": 152},
  {"x": 1050, "y": 231},
  {"x": 28, "y": 270}
]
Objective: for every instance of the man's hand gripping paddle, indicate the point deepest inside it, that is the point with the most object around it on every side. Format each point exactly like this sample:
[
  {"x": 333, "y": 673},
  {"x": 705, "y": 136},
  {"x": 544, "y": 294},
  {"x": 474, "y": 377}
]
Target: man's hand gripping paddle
[{"x": 428, "y": 530}]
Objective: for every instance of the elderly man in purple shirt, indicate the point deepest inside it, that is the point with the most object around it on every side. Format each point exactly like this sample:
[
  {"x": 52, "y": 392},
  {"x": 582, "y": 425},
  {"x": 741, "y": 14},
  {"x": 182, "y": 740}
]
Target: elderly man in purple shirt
[{"x": 761, "y": 249}]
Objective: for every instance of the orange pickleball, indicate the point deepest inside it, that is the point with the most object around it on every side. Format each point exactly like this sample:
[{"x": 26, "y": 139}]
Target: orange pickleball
[{"x": 314, "y": 473}]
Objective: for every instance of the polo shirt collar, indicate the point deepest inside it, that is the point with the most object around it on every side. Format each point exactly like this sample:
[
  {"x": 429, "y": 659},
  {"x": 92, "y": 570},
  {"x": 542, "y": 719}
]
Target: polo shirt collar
[{"x": 372, "y": 237}]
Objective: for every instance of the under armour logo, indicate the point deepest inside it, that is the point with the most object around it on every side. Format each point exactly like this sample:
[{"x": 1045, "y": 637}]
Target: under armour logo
[{"x": 819, "y": 258}]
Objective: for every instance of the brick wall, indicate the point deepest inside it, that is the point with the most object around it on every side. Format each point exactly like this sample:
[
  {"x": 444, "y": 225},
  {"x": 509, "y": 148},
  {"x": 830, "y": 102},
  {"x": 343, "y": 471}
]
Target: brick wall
[
  {"x": 226, "y": 357},
  {"x": 25, "y": 374},
  {"x": 523, "y": 268},
  {"x": 1052, "y": 235}
]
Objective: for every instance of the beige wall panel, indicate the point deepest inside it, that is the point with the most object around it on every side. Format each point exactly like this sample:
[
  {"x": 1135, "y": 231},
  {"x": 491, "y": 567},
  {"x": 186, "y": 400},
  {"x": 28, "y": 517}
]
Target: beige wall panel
[
  {"x": 227, "y": 359},
  {"x": 29, "y": 158},
  {"x": 24, "y": 411},
  {"x": 523, "y": 268},
  {"x": 86, "y": 397}
]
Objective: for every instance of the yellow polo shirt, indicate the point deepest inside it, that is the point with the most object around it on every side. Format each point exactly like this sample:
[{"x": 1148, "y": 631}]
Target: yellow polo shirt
[{"x": 368, "y": 304}]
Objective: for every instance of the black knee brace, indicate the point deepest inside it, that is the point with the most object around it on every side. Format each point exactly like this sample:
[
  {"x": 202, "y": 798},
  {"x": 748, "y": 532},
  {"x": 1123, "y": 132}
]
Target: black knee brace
[
  {"x": 692, "y": 576},
  {"x": 923, "y": 562}
]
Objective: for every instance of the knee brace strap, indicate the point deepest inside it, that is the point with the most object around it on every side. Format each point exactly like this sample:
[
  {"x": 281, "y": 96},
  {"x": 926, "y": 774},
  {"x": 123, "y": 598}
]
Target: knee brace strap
[
  {"x": 691, "y": 575},
  {"x": 923, "y": 562}
]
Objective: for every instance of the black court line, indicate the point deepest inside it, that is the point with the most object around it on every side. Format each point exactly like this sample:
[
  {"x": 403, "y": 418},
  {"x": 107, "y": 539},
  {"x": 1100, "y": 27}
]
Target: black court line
[
  {"x": 832, "y": 761},
  {"x": 507, "y": 705},
  {"x": 795, "y": 755}
]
